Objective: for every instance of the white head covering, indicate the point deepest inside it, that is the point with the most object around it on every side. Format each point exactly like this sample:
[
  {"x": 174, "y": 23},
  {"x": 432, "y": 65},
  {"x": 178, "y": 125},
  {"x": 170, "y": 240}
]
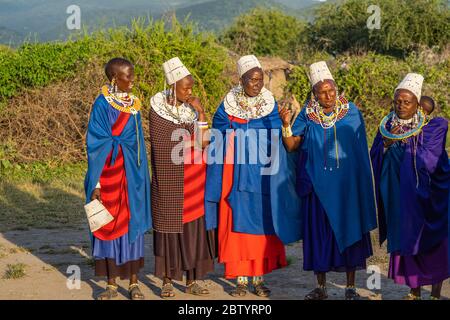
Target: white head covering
[
  {"x": 247, "y": 63},
  {"x": 319, "y": 72},
  {"x": 174, "y": 70},
  {"x": 412, "y": 82}
]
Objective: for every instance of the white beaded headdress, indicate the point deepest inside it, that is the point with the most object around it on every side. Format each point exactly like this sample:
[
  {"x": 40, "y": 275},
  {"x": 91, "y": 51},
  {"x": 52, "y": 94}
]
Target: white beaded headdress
[
  {"x": 412, "y": 82},
  {"x": 319, "y": 72},
  {"x": 247, "y": 63},
  {"x": 174, "y": 70}
]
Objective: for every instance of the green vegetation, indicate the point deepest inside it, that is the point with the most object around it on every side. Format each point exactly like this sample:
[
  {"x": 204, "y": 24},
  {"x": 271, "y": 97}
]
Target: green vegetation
[
  {"x": 405, "y": 25},
  {"x": 14, "y": 271},
  {"x": 264, "y": 32},
  {"x": 36, "y": 65},
  {"x": 148, "y": 45}
]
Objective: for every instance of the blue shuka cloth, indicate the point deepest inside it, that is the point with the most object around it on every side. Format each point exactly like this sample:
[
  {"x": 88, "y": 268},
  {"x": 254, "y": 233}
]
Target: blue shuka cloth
[
  {"x": 390, "y": 193},
  {"x": 100, "y": 142},
  {"x": 261, "y": 204},
  {"x": 119, "y": 249},
  {"x": 346, "y": 192}
]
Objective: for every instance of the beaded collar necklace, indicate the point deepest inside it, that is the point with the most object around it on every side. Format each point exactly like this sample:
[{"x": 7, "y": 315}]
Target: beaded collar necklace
[
  {"x": 315, "y": 113},
  {"x": 409, "y": 128},
  {"x": 122, "y": 102}
]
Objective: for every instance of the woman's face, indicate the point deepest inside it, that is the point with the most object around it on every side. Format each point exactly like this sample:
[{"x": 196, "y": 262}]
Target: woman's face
[
  {"x": 253, "y": 81},
  {"x": 325, "y": 93},
  {"x": 125, "y": 78},
  {"x": 405, "y": 104},
  {"x": 184, "y": 88}
]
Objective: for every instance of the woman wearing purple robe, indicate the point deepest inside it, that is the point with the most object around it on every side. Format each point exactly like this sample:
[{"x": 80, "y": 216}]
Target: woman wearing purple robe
[{"x": 412, "y": 176}]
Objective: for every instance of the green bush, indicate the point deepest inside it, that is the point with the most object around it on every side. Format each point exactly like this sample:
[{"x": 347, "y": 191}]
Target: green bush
[
  {"x": 405, "y": 25},
  {"x": 39, "y": 64},
  {"x": 148, "y": 45},
  {"x": 265, "y": 32}
]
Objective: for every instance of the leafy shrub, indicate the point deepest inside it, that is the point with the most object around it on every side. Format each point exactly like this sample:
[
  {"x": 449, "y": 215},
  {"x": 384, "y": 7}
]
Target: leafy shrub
[
  {"x": 265, "y": 32},
  {"x": 405, "y": 25}
]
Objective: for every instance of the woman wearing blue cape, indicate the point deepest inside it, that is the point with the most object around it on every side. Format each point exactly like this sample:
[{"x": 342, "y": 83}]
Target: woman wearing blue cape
[
  {"x": 334, "y": 181},
  {"x": 250, "y": 187},
  {"x": 118, "y": 176},
  {"x": 412, "y": 175}
]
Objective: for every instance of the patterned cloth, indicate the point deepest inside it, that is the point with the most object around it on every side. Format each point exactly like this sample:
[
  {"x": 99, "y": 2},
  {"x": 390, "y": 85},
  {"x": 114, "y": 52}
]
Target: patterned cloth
[{"x": 167, "y": 178}]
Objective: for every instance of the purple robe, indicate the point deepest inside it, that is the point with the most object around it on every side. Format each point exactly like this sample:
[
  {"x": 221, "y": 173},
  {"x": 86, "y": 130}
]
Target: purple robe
[{"x": 414, "y": 219}]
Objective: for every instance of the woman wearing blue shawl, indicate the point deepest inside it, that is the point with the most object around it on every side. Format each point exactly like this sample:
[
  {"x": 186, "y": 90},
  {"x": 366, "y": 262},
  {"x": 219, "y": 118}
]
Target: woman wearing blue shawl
[
  {"x": 412, "y": 175},
  {"x": 118, "y": 176},
  {"x": 334, "y": 181},
  {"x": 251, "y": 197}
]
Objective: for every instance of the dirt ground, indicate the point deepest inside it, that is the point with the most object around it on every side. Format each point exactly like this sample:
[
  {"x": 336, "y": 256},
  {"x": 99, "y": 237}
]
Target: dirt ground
[{"x": 46, "y": 254}]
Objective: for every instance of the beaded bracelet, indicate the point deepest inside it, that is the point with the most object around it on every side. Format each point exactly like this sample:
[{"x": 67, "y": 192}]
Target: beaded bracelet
[
  {"x": 286, "y": 132},
  {"x": 202, "y": 124}
]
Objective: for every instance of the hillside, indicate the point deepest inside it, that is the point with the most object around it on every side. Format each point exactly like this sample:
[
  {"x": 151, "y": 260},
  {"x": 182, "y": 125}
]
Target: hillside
[
  {"x": 218, "y": 14},
  {"x": 8, "y": 36},
  {"x": 46, "y": 20}
]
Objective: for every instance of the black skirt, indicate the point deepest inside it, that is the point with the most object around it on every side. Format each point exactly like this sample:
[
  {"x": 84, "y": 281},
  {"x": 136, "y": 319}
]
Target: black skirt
[
  {"x": 109, "y": 268},
  {"x": 192, "y": 251}
]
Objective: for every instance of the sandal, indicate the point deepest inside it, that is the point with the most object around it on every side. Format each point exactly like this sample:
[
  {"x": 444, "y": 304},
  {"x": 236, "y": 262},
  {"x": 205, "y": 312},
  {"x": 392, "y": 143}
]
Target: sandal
[
  {"x": 134, "y": 292},
  {"x": 196, "y": 289},
  {"x": 318, "y": 293},
  {"x": 167, "y": 291},
  {"x": 109, "y": 293},
  {"x": 351, "y": 294},
  {"x": 240, "y": 291},
  {"x": 411, "y": 296},
  {"x": 261, "y": 290}
]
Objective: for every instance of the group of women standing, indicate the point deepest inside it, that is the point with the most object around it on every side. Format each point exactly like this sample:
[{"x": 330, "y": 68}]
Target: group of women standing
[{"x": 311, "y": 179}]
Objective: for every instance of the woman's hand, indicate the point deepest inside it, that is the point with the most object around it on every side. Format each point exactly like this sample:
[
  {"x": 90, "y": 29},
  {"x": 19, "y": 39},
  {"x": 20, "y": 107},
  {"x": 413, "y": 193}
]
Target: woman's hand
[
  {"x": 195, "y": 103},
  {"x": 389, "y": 142},
  {"x": 96, "y": 195},
  {"x": 286, "y": 112},
  {"x": 285, "y": 116}
]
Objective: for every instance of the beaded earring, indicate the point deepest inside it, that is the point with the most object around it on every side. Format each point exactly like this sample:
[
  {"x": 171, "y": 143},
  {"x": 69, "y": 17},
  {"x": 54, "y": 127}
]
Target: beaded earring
[
  {"x": 175, "y": 94},
  {"x": 314, "y": 102},
  {"x": 114, "y": 85}
]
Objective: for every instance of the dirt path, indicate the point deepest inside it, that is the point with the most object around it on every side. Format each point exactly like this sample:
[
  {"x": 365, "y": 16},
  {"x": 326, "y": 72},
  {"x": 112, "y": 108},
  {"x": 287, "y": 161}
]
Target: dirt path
[{"x": 46, "y": 255}]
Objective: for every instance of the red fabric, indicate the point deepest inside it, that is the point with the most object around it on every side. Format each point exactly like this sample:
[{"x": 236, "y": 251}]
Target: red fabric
[
  {"x": 194, "y": 184},
  {"x": 114, "y": 192},
  {"x": 244, "y": 254}
]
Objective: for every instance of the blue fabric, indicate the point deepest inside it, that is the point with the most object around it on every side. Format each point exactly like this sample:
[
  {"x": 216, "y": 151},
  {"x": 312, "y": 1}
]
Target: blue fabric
[
  {"x": 390, "y": 194},
  {"x": 346, "y": 193},
  {"x": 320, "y": 249},
  {"x": 261, "y": 204},
  {"x": 119, "y": 249},
  {"x": 424, "y": 177},
  {"x": 100, "y": 142}
]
